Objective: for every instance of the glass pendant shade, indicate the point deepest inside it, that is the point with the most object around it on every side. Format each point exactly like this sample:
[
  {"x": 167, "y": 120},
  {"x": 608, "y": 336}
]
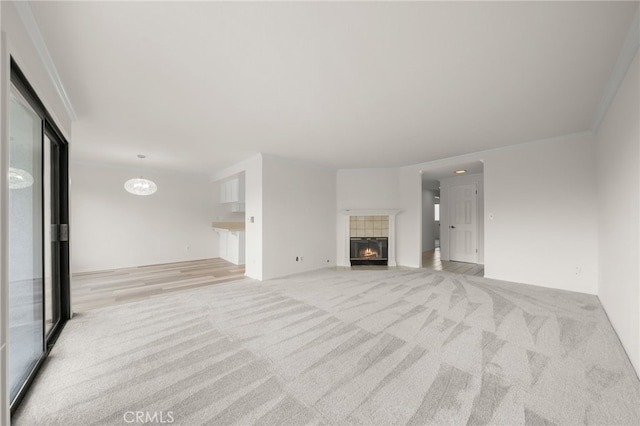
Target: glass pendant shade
[
  {"x": 19, "y": 178},
  {"x": 140, "y": 186}
]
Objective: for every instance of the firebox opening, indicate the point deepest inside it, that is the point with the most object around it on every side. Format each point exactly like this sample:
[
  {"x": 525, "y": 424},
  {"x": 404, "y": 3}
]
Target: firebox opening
[{"x": 369, "y": 250}]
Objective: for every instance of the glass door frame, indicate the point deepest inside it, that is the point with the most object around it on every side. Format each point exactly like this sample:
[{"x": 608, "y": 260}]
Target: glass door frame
[
  {"x": 63, "y": 303},
  {"x": 61, "y": 258}
]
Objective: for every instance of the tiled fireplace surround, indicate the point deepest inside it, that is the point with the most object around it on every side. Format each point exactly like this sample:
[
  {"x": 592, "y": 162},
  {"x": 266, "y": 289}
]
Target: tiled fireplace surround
[
  {"x": 369, "y": 226},
  {"x": 370, "y": 223}
]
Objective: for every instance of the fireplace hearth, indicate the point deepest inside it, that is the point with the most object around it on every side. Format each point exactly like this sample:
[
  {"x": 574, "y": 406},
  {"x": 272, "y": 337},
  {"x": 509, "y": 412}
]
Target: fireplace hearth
[{"x": 369, "y": 250}]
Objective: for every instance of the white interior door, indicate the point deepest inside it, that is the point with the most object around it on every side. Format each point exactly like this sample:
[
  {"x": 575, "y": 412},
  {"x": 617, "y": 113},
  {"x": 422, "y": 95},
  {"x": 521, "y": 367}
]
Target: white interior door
[{"x": 463, "y": 223}]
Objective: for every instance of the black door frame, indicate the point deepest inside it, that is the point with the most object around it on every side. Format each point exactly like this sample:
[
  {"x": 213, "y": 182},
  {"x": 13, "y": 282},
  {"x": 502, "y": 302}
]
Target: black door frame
[{"x": 50, "y": 129}]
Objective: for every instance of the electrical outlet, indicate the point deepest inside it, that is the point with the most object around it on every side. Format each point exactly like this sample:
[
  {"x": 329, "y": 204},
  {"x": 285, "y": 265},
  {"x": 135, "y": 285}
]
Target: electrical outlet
[{"x": 578, "y": 270}]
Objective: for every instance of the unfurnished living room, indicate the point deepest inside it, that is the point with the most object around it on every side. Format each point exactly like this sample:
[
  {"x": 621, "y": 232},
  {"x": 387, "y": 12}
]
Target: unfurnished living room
[{"x": 319, "y": 213}]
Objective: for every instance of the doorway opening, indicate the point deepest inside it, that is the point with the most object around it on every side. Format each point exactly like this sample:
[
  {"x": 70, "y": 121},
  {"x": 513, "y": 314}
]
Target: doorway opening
[
  {"x": 231, "y": 219},
  {"x": 453, "y": 218}
]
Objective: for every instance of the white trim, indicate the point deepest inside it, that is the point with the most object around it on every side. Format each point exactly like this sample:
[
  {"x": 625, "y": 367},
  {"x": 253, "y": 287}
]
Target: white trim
[
  {"x": 625, "y": 58},
  {"x": 391, "y": 255},
  {"x": 29, "y": 21},
  {"x": 370, "y": 212},
  {"x": 4, "y": 231}
]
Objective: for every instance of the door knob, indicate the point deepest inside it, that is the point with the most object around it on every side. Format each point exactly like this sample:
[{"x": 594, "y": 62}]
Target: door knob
[{"x": 452, "y": 227}]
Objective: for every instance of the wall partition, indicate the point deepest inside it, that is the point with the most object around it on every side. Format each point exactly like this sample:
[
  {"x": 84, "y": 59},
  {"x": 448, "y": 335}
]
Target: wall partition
[{"x": 38, "y": 273}]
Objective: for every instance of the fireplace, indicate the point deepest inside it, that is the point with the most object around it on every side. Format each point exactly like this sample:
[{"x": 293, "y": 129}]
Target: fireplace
[
  {"x": 369, "y": 250},
  {"x": 375, "y": 226}
]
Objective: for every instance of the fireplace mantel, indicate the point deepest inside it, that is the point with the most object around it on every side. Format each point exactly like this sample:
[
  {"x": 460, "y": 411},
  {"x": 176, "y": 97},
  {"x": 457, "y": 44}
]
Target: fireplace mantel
[
  {"x": 392, "y": 213},
  {"x": 371, "y": 212}
]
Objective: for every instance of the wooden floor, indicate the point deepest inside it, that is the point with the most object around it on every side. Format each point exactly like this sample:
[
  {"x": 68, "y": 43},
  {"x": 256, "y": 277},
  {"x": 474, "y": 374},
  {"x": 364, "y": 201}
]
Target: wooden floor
[
  {"x": 92, "y": 290},
  {"x": 431, "y": 260}
]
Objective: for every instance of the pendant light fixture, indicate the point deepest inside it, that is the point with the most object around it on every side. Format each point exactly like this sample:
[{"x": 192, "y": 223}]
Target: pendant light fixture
[{"x": 140, "y": 186}]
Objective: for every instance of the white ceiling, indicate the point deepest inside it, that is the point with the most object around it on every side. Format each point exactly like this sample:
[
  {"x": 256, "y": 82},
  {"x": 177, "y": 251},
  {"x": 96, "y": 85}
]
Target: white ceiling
[
  {"x": 442, "y": 171},
  {"x": 200, "y": 85}
]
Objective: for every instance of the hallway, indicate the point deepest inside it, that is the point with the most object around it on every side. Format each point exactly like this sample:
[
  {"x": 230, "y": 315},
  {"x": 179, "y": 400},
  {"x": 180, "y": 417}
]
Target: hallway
[{"x": 431, "y": 260}]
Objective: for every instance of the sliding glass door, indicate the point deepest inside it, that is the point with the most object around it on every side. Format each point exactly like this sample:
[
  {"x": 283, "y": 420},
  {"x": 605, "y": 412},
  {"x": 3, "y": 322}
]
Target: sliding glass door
[
  {"x": 51, "y": 179},
  {"x": 38, "y": 248},
  {"x": 26, "y": 299}
]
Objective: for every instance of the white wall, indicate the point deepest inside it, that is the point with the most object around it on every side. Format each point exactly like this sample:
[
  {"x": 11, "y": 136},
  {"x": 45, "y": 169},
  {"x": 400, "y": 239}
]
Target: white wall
[
  {"x": 21, "y": 48},
  {"x": 618, "y": 165},
  {"x": 114, "y": 229},
  {"x": 428, "y": 234},
  {"x": 368, "y": 189},
  {"x": 299, "y": 205},
  {"x": 542, "y": 195},
  {"x": 445, "y": 185},
  {"x": 15, "y": 42},
  {"x": 409, "y": 222},
  {"x": 387, "y": 188},
  {"x": 293, "y": 206}
]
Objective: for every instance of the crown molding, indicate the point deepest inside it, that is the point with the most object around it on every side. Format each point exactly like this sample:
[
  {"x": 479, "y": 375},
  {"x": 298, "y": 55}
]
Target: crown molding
[
  {"x": 625, "y": 58},
  {"x": 29, "y": 21}
]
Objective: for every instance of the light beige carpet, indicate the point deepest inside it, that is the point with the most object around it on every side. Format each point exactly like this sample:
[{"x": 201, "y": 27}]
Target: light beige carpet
[{"x": 342, "y": 347}]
